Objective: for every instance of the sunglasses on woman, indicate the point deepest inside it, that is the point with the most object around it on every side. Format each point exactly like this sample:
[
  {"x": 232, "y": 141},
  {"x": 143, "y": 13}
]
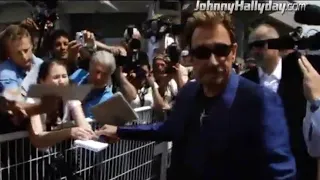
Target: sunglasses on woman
[{"x": 205, "y": 51}]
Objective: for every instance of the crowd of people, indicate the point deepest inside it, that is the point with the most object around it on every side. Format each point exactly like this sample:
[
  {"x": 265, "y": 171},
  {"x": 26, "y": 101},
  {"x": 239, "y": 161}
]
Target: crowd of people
[{"x": 229, "y": 118}]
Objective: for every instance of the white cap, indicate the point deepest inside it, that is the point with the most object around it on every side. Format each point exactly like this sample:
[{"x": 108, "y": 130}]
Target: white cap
[
  {"x": 184, "y": 53},
  {"x": 168, "y": 41},
  {"x": 136, "y": 34}
]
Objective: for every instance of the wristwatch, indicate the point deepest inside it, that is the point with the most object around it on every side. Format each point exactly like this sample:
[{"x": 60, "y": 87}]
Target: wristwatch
[{"x": 315, "y": 105}]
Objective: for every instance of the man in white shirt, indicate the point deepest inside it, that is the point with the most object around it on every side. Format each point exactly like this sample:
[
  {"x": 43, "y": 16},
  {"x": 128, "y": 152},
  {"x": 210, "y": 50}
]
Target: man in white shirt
[
  {"x": 268, "y": 60},
  {"x": 282, "y": 75}
]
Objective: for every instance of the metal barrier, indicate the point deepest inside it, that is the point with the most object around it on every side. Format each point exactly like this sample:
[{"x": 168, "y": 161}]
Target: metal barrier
[{"x": 123, "y": 160}]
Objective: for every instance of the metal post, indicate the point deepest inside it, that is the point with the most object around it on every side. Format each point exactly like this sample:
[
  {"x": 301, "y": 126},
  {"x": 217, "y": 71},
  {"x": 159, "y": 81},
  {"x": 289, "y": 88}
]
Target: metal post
[{"x": 164, "y": 162}]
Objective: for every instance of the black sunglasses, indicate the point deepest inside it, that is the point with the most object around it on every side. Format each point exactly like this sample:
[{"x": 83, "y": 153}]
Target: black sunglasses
[
  {"x": 258, "y": 44},
  {"x": 205, "y": 51}
]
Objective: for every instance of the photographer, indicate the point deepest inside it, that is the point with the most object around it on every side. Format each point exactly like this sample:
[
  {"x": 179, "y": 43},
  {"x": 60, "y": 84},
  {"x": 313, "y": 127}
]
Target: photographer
[
  {"x": 73, "y": 53},
  {"x": 311, "y": 87},
  {"x": 136, "y": 58},
  {"x": 168, "y": 77},
  {"x": 147, "y": 90},
  {"x": 283, "y": 76},
  {"x": 102, "y": 66}
]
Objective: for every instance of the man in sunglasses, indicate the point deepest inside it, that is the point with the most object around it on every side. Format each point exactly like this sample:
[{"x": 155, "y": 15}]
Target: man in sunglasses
[
  {"x": 282, "y": 75},
  {"x": 223, "y": 127}
]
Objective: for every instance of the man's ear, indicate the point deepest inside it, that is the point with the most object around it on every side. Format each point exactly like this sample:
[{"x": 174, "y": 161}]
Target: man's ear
[{"x": 234, "y": 51}]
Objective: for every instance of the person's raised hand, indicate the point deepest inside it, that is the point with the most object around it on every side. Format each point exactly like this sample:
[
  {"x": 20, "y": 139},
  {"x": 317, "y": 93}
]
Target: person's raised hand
[
  {"x": 150, "y": 79},
  {"x": 11, "y": 103},
  {"x": 118, "y": 51},
  {"x": 89, "y": 38},
  {"x": 29, "y": 24},
  {"x": 73, "y": 50},
  {"x": 311, "y": 80}
]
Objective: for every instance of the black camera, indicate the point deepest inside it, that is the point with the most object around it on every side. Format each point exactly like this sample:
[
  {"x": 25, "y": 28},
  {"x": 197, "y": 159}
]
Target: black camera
[
  {"x": 45, "y": 11},
  {"x": 293, "y": 40},
  {"x": 173, "y": 53},
  {"x": 161, "y": 26}
]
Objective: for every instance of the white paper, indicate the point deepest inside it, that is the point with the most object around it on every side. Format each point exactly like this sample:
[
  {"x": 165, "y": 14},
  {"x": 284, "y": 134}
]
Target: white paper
[
  {"x": 91, "y": 145},
  {"x": 115, "y": 111},
  {"x": 72, "y": 92}
]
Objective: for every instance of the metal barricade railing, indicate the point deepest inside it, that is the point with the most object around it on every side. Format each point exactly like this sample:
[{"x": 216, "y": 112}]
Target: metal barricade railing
[{"x": 123, "y": 160}]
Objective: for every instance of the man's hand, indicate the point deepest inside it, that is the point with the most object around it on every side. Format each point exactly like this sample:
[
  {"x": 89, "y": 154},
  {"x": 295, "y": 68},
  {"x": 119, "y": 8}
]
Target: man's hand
[
  {"x": 150, "y": 79},
  {"x": 110, "y": 132},
  {"x": 118, "y": 51},
  {"x": 89, "y": 38},
  {"x": 73, "y": 50},
  {"x": 30, "y": 24},
  {"x": 15, "y": 110},
  {"x": 12, "y": 104},
  {"x": 311, "y": 80},
  {"x": 177, "y": 73}
]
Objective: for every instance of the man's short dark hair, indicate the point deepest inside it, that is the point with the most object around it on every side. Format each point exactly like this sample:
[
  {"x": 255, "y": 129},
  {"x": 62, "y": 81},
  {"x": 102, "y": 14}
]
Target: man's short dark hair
[
  {"x": 55, "y": 35},
  {"x": 208, "y": 18}
]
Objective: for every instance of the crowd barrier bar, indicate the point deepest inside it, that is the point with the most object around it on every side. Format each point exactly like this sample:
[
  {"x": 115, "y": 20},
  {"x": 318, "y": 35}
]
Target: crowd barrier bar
[{"x": 124, "y": 160}]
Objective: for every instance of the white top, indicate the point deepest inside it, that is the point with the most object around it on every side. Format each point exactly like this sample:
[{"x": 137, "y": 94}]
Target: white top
[
  {"x": 271, "y": 81},
  {"x": 69, "y": 107},
  {"x": 171, "y": 91},
  {"x": 143, "y": 94},
  {"x": 185, "y": 73}
]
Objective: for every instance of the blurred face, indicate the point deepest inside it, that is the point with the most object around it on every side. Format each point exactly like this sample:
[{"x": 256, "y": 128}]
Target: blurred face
[
  {"x": 159, "y": 67},
  {"x": 99, "y": 74},
  {"x": 60, "y": 47},
  {"x": 259, "y": 48},
  {"x": 57, "y": 75},
  {"x": 20, "y": 51},
  {"x": 140, "y": 81},
  {"x": 212, "y": 55}
]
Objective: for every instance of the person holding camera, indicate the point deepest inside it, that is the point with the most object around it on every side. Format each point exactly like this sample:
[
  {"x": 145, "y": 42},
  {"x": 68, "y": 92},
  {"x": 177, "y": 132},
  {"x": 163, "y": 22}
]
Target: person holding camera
[
  {"x": 147, "y": 91},
  {"x": 311, "y": 87},
  {"x": 136, "y": 58},
  {"x": 283, "y": 76},
  {"x": 168, "y": 77},
  {"x": 76, "y": 53},
  {"x": 102, "y": 67}
]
